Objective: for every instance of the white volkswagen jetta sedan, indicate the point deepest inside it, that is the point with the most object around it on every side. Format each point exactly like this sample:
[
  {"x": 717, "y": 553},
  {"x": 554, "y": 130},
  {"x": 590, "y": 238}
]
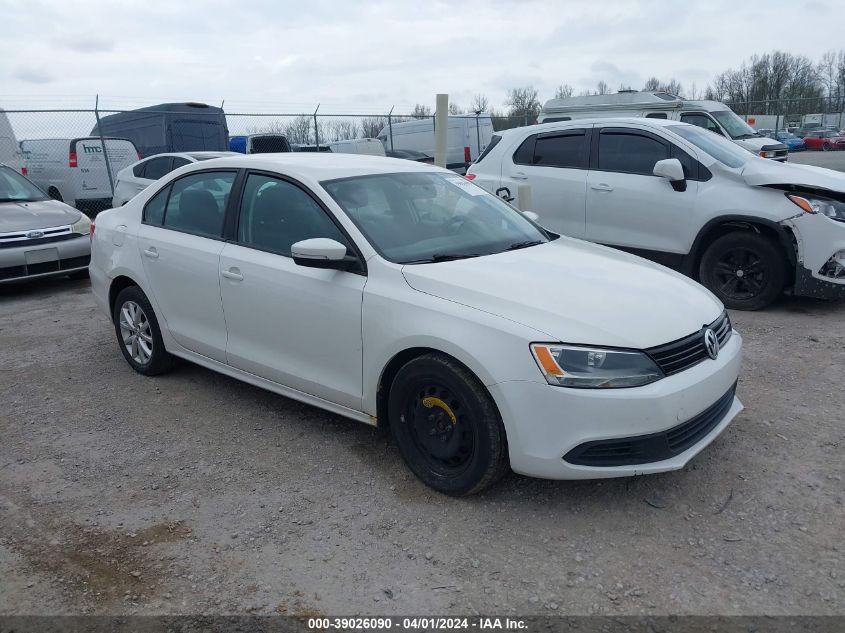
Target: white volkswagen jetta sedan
[{"x": 395, "y": 293}]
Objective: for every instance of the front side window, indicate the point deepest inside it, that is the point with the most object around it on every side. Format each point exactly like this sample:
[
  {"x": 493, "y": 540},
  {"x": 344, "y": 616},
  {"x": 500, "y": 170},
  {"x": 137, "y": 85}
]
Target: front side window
[
  {"x": 420, "y": 217},
  {"x": 630, "y": 153},
  {"x": 197, "y": 203},
  {"x": 275, "y": 214},
  {"x": 16, "y": 188}
]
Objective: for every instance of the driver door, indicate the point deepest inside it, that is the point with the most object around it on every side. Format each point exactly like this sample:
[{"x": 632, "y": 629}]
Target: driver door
[{"x": 296, "y": 326}]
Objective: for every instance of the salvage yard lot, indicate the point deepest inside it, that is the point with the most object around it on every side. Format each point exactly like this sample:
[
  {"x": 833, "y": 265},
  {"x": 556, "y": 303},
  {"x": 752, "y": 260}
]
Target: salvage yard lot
[{"x": 192, "y": 492}]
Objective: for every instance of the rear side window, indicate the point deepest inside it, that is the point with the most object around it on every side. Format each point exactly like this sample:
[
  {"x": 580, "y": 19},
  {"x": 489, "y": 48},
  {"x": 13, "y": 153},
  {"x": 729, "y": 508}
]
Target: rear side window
[
  {"x": 524, "y": 155},
  {"x": 561, "y": 150},
  {"x": 198, "y": 202},
  {"x": 656, "y": 115},
  {"x": 555, "y": 119},
  {"x": 139, "y": 169},
  {"x": 493, "y": 142},
  {"x": 178, "y": 162},
  {"x": 154, "y": 209},
  {"x": 157, "y": 167},
  {"x": 630, "y": 153}
]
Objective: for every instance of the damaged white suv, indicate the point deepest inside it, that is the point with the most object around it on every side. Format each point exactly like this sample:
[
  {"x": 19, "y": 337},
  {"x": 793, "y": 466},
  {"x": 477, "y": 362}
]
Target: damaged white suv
[{"x": 746, "y": 227}]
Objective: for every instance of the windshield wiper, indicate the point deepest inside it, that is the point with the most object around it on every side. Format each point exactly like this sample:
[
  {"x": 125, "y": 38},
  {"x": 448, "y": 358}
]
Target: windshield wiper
[
  {"x": 524, "y": 244},
  {"x": 742, "y": 136},
  {"x": 442, "y": 257}
]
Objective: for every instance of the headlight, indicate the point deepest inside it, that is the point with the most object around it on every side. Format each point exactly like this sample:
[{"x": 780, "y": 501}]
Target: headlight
[
  {"x": 768, "y": 153},
  {"x": 82, "y": 226},
  {"x": 833, "y": 209},
  {"x": 585, "y": 367}
]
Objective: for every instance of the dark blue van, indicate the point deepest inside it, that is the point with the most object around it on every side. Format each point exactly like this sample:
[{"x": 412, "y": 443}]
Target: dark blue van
[{"x": 169, "y": 127}]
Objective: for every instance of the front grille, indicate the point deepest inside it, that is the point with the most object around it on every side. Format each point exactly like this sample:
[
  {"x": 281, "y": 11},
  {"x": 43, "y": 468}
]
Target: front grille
[
  {"x": 655, "y": 447},
  {"x": 45, "y": 236},
  {"x": 75, "y": 262},
  {"x": 71, "y": 263},
  {"x": 682, "y": 354}
]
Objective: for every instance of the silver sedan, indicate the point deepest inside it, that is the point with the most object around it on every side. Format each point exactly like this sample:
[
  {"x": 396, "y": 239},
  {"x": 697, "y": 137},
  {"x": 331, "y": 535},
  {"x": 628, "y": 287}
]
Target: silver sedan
[{"x": 39, "y": 237}]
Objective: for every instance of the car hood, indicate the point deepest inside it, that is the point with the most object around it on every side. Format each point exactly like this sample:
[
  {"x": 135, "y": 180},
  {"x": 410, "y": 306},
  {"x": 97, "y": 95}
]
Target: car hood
[
  {"x": 770, "y": 172},
  {"x": 575, "y": 292},
  {"x": 41, "y": 214},
  {"x": 757, "y": 143}
]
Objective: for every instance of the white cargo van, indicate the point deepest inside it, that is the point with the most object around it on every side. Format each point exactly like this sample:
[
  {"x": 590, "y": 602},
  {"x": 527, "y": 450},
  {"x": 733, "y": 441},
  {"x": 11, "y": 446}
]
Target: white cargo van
[
  {"x": 368, "y": 146},
  {"x": 711, "y": 115},
  {"x": 467, "y": 138},
  {"x": 74, "y": 170},
  {"x": 10, "y": 152}
]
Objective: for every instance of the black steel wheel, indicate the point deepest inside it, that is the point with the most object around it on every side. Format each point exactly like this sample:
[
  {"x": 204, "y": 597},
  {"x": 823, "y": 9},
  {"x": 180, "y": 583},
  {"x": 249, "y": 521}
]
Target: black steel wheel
[
  {"x": 746, "y": 270},
  {"x": 447, "y": 426}
]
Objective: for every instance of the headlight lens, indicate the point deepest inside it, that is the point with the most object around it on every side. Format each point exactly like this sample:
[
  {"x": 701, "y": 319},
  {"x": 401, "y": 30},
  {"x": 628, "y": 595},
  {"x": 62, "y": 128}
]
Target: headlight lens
[
  {"x": 586, "y": 367},
  {"x": 833, "y": 209},
  {"x": 82, "y": 226}
]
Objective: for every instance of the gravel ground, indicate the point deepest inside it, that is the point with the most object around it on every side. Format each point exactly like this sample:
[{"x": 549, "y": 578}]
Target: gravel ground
[{"x": 192, "y": 492}]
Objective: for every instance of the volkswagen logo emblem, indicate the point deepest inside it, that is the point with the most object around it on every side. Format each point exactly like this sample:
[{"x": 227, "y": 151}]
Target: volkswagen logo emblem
[
  {"x": 34, "y": 235},
  {"x": 711, "y": 343}
]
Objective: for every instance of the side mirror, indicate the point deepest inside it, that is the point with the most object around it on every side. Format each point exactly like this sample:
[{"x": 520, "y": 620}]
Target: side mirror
[
  {"x": 322, "y": 252},
  {"x": 531, "y": 216},
  {"x": 672, "y": 170}
]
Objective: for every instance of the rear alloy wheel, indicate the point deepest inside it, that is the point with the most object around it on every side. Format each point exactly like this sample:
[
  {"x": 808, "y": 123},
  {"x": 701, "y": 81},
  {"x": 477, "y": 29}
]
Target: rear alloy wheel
[
  {"x": 744, "y": 269},
  {"x": 447, "y": 426},
  {"x": 827, "y": 147},
  {"x": 138, "y": 333}
]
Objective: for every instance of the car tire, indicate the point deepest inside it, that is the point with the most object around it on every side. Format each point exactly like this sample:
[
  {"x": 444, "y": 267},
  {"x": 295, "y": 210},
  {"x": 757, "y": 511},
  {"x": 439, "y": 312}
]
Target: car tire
[
  {"x": 138, "y": 333},
  {"x": 446, "y": 425},
  {"x": 745, "y": 270},
  {"x": 826, "y": 147}
]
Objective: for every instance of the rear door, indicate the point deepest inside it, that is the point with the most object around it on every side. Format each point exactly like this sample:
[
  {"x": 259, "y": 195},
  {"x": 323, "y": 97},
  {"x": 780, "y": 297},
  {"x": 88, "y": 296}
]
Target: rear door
[
  {"x": 554, "y": 164},
  {"x": 629, "y": 207},
  {"x": 180, "y": 240}
]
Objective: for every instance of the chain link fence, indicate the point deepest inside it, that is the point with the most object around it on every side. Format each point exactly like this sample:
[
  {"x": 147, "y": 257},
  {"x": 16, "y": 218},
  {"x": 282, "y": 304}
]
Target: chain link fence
[{"x": 791, "y": 113}]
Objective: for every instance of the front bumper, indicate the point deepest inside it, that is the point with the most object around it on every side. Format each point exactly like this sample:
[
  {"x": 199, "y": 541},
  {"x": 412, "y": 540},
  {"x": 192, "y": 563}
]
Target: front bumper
[
  {"x": 818, "y": 240},
  {"x": 19, "y": 263},
  {"x": 545, "y": 423}
]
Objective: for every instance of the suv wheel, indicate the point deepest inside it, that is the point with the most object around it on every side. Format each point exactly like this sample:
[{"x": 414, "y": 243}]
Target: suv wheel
[
  {"x": 745, "y": 270},
  {"x": 138, "y": 333},
  {"x": 447, "y": 426},
  {"x": 827, "y": 146}
]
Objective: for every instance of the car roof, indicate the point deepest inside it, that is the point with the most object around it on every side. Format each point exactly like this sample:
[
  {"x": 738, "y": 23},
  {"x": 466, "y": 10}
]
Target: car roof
[
  {"x": 320, "y": 165},
  {"x": 559, "y": 125}
]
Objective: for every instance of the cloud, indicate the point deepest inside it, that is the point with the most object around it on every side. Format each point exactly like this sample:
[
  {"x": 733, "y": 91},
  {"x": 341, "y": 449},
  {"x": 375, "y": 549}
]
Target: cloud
[
  {"x": 31, "y": 75},
  {"x": 86, "y": 43}
]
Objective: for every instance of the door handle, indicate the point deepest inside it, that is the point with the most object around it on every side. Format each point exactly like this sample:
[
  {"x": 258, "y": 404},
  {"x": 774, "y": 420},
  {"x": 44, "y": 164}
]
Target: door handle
[
  {"x": 151, "y": 252},
  {"x": 519, "y": 176},
  {"x": 602, "y": 186},
  {"x": 233, "y": 273}
]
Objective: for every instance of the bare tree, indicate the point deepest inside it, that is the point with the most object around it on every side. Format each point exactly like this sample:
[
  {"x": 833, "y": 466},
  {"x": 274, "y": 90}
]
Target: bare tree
[
  {"x": 563, "y": 91},
  {"x": 479, "y": 103},
  {"x": 420, "y": 111},
  {"x": 624, "y": 88},
  {"x": 602, "y": 88},
  {"x": 454, "y": 108},
  {"x": 652, "y": 84},
  {"x": 523, "y": 101},
  {"x": 300, "y": 130},
  {"x": 372, "y": 125}
]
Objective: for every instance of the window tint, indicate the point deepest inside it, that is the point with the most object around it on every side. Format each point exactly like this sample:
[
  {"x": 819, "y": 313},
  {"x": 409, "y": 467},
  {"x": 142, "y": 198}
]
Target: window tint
[
  {"x": 656, "y": 115},
  {"x": 154, "y": 209},
  {"x": 687, "y": 162},
  {"x": 198, "y": 203},
  {"x": 157, "y": 167},
  {"x": 493, "y": 142},
  {"x": 139, "y": 169},
  {"x": 701, "y": 120},
  {"x": 276, "y": 214},
  {"x": 630, "y": 153},
  {"x": 563, "y": 150},
  {"x": 178, "y": 162},
  {"x": 524, "y": 155},
  {"x": 554, "y": 119}
]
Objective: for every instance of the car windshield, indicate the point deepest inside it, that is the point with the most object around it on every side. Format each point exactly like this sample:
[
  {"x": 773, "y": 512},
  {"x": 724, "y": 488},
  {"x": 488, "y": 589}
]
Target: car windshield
[
  {"x": 16, "y": 188},
  {"x": 717, "y": 146},
  {"x": 736, "y": 127},
  {"x": 414, "y": 218},
  {"x": 786, "y": 135}
]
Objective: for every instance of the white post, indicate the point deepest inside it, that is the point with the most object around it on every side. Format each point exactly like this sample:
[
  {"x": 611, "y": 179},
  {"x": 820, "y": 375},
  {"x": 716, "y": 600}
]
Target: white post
[
  {"x": 523, "y": 198},
  {"x": 441, "y": 129}
]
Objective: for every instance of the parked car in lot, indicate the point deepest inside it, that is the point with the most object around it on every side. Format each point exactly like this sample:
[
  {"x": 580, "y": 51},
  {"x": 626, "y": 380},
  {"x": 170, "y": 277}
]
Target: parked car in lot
[
  {"x": 10, "y": 151},
  {"x": 710, "y": 115},
  {"x": 409, "y": 154},
  {"x": 39, "y": 236},
  {"x": 825, "y": 140},
  {"x": 400, "y": 294},
  {"x": 135, "y": 178},
  {"x": 368, "y": 146},
  {"x": 747, "y": 228},
  {"x": 792, "y": 142},
  {"x": 74, "y": 170},
  {"x": 264, "y": 143}
]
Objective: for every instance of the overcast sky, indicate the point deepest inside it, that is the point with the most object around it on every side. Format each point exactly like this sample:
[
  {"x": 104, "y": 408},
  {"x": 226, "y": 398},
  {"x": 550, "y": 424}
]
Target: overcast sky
[{"x": 362, "y": 56}]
